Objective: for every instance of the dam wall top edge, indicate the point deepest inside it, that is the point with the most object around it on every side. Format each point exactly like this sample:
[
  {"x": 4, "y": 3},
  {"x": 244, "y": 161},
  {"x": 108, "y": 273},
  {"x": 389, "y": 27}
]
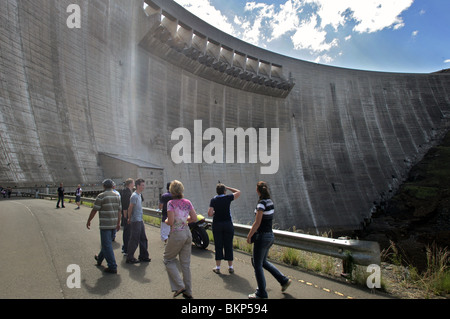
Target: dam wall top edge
[{"x": 173, "y": 10}]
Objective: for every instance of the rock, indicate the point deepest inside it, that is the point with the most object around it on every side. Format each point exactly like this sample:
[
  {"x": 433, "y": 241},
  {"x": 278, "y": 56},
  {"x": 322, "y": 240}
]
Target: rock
[{"x": 419, "y": 213}]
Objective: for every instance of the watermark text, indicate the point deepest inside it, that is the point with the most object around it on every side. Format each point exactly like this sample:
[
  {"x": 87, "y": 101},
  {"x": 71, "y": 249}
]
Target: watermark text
[
  {"x": 374, "y": 279},
  {"x": 74, "y": 279},
  {"x": 222, "y": 147},
  {"x": 74, "y": 19}
]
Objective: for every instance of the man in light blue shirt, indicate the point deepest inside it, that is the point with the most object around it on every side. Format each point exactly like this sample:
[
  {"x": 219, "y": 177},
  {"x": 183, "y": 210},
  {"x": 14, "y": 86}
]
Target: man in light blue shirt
[{"x": 137, "y": 228}]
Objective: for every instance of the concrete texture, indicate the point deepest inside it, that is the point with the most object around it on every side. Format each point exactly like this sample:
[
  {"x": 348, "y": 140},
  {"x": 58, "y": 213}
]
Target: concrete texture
[{"x": 125, "y": 80}]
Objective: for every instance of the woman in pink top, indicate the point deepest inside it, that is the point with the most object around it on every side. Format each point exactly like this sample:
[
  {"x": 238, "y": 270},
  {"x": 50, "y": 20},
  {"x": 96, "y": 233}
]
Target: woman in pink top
[{"x": 180, "y": 212}]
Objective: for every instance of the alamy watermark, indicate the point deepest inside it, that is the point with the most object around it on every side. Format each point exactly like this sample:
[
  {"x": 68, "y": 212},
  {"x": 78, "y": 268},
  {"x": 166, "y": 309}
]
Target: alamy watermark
[
  {"x": 74, "y": 279},
  {"x": 74, "y": 19},
  {"x": 374, "y": 279},
  {"x": 221, "y": 148}
]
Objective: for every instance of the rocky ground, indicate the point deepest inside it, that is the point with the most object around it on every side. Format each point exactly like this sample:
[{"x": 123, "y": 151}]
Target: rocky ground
[{"x": 419, "y": 214}]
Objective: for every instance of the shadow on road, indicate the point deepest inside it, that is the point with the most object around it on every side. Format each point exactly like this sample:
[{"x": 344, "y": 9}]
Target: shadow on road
[{"x": 104, "y": 285}]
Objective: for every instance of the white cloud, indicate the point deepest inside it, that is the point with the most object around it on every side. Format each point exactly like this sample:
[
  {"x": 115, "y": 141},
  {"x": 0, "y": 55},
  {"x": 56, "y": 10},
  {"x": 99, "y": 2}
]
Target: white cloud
[
  {"x": 308, "y": 36},
  {"x": 311, "y": 25},
  {"x": 447, "y": 61},
  {"x": 415, "y": 33},
  {"x": 286, "y": 20},
  {"x": 324, "y": 58},
  {"x": 369, "y": 15},
  {"x": 208, "y": 13},
  {"x": 252, "y": 27},
  {"x": 308, "y": 30}
]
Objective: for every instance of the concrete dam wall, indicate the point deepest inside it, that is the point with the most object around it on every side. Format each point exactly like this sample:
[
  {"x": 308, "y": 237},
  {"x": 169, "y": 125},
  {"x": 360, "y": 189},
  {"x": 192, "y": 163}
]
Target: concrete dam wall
[{"x": 107, "y": 77}]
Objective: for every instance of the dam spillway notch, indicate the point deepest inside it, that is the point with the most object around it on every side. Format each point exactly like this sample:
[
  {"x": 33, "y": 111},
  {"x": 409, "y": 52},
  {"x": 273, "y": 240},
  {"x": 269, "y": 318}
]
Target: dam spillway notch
[{"x": 178, "y": 43}]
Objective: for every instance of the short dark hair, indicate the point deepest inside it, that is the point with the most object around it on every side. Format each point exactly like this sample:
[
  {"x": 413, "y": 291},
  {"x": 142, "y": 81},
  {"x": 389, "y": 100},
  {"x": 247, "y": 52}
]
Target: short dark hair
[
  {"x": 168, "y": 185},
  {"x": 139, "y": 181},
  {"x": 220, "y": 189}
]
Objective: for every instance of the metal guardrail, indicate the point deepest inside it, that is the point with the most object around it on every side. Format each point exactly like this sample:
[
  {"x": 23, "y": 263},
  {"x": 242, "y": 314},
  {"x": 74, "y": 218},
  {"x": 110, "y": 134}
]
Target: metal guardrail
[{"x": 361, "y": 252}]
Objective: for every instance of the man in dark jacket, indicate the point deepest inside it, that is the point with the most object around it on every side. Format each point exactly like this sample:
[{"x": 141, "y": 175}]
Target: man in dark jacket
[
  {"x": 60, "y": 196},
  {"x": 126, "y": 194}
]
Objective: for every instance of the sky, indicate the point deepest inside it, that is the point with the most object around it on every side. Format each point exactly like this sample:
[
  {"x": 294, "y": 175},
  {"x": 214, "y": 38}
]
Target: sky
[{"x": 404, "y": 36}]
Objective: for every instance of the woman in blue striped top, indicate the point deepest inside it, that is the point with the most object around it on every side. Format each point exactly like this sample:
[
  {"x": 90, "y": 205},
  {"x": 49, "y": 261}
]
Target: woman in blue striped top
[{"x": 261, "y": 236}]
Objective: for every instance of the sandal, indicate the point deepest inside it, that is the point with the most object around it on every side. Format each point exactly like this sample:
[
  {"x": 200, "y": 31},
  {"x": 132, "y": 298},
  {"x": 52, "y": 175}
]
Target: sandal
[{"x": 178, "y": 292}]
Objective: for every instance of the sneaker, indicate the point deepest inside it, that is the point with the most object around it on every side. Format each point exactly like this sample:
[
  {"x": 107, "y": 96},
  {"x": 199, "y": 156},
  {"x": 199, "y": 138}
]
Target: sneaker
[
  {"x": 110, "y": 270},
  {"x": 216, "y": 270},
  {"x": 178, "y": 292},
  {"x": 186, "y": 296},
  {"x": 286, "y": 285},
  {"x": 99, "y": 263},
  {"x": 132, "y": 261},
  {"x": 145, "y": 259},
  {"x": 231, "y": 270}
]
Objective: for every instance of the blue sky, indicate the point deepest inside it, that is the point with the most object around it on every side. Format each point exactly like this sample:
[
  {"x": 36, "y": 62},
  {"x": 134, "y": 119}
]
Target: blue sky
[{"x": 411, "y": 36}]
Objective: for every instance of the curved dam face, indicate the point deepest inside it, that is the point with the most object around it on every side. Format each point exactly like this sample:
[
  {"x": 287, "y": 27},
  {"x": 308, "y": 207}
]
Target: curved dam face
[{"x": 81, "y": 79}]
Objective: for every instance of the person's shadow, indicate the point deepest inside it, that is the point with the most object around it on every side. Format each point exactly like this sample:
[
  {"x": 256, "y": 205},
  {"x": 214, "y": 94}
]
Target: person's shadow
[
  {"x": 237, "y": 283},
  {"x": 136, "y": 271},
  {"x": 106, "y": 283}
]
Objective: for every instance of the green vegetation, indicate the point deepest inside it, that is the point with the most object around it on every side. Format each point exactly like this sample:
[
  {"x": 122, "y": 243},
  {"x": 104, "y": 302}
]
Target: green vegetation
[{"x": 434, "y": 281}]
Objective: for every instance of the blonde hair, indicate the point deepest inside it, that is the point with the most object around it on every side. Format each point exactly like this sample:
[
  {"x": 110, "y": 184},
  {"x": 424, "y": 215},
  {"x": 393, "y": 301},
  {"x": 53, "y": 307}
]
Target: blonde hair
[
  {"x": 176, "y": 189},
  {"x": 129, "y": 181}
]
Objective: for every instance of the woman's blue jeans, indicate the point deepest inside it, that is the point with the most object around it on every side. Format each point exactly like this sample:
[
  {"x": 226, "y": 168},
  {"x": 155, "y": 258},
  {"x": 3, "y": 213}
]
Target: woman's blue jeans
[
  {"x": 106, "y": 236},
  {"x": 261, "y": 246}
]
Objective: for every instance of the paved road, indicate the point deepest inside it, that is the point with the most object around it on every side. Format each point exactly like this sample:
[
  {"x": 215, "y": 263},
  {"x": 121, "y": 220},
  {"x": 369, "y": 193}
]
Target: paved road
[{"x": 39, "y": 242}]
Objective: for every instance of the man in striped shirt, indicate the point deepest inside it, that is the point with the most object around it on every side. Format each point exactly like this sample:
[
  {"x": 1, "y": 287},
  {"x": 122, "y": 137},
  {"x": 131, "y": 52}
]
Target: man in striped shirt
[{"x": 109, "y": 206}]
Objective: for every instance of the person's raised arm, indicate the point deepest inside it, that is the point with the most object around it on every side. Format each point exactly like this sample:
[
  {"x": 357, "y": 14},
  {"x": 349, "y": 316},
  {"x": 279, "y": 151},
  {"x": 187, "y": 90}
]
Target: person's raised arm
[{"x": 236, "y": 192}]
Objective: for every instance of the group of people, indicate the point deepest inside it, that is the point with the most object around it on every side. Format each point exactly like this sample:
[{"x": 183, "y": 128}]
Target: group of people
[
  {"x": 61, "y": 191},
  {"x": 177, "y": 212},
  {"x": 116, "y": 210},
  {"x": 260, "y": 235},
  {"x": 6, "y": 192}
]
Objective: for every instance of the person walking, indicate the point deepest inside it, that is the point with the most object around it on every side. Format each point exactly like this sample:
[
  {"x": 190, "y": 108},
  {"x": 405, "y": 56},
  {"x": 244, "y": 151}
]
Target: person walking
[
  {"x": 165, "y": 229},
  {"x": 180, "y": 212},
  {"x": 137, "y": 227},
  {"x": 78, "y": 196},
  {"x": 108, "y": 205},
  {"x": 222, "y": 225},
  {"x": 261, "y": 235},
  {"x": 60, "y": 196},
  {"x": 125, "y": 198}
]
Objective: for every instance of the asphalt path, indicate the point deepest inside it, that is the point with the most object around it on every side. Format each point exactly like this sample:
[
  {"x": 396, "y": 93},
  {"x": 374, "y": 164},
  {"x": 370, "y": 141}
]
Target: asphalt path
[{"x": 47, "y": 252}]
